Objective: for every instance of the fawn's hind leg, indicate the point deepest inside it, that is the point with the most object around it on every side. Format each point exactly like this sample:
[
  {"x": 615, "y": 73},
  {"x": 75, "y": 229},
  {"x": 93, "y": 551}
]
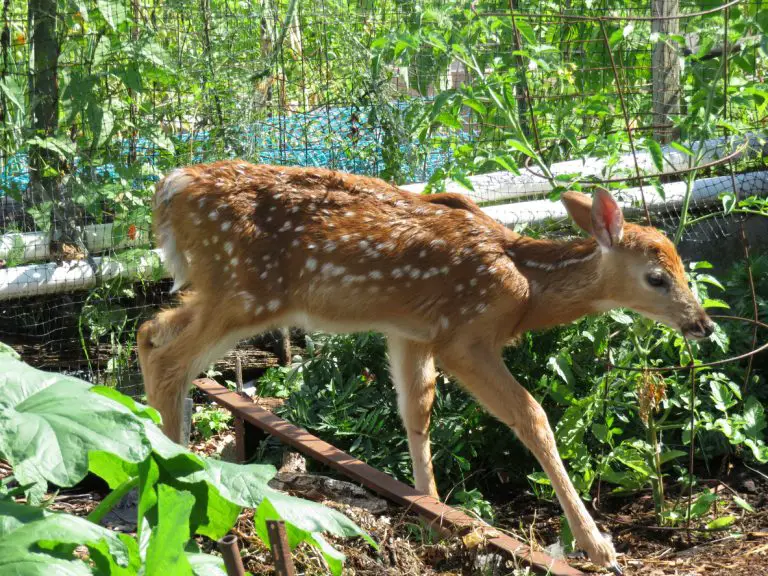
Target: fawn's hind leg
[{"x": 413, "y": 373}]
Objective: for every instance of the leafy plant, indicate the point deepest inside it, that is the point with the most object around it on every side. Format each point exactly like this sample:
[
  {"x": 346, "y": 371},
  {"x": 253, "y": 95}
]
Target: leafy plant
[
  {"x": 209, "y": 421},
  {"x": 56, "y": 429}
]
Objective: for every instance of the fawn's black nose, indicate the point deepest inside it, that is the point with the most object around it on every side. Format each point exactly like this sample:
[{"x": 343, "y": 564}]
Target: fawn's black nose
[{"x": 701, "y": 328}]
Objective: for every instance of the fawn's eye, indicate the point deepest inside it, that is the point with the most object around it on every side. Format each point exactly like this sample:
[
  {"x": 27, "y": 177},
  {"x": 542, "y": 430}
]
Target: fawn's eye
[{"x": 656, "y": 279}]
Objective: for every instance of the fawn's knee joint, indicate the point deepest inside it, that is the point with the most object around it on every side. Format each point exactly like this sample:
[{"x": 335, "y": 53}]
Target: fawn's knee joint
[{"x": 144, "y": 337}]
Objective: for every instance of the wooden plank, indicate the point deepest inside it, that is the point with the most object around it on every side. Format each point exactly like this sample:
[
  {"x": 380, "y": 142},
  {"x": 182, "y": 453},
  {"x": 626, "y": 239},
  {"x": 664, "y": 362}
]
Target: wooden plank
[{"x": 441, "y": 515}]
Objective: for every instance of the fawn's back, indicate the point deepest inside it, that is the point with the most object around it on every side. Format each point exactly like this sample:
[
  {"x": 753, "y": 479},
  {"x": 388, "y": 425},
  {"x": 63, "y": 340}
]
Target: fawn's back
[{"x": 320, "y": 248}]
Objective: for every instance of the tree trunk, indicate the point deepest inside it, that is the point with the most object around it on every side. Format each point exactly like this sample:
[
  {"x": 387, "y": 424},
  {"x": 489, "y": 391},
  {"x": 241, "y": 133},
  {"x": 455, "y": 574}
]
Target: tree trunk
[
  {"x": 666, "y": 72},
  {"x": 45, "y": 165}
]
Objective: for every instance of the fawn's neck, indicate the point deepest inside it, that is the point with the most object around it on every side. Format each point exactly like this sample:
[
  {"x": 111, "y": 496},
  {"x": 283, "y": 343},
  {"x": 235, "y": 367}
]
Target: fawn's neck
[{"x": 564, "y": 277}]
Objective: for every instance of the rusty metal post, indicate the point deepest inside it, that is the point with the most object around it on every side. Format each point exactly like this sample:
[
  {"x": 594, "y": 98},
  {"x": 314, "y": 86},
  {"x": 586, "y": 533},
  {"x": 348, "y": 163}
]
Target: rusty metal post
[
  {"x": 281, "y": 550},
  {"x": 230, "y": 551}
]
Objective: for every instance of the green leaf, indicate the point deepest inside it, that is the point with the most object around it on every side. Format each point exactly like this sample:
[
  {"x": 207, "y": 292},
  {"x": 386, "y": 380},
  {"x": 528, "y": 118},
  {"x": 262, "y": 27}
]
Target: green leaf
[
  {"x": 655, "y": 149},
  {"x": 13, "y": 92},
  {"x": 506, "y": 162},
  {"x": 702, "y": 504},
  {"x": 714, "y": 303},
  {"x": 49, "y": 424},
  {"x": 34, "y": 541},
  {"x": 165, "y": 552},
  {"x": 566, "y": 535},
  {"x": 722, "y": 396},
  {"x": 449, "y": 120},
  {"x": 720, "y": 523},
  {"x": 206, "y": 564},
  {"x": 561, "y": 366},
  {"x": 616, "y": 37},
  {"x": 135, "y": 407},
  {"x": 439, "y": 102},
  {"x": 113, "y": 11},
  {"x": 160, "y": 140},
  {"x": 680, "y": 148},
  {"x": 526, "y": 31},
  {"x": 743, "y": 504},
  {"x": 476, "y": 105},
  {"x": 6, "y": 350},
  {"x": 669, "y": 455},
  {"x": 462, "y": 179},
  {"x": 517, "y": 145}
]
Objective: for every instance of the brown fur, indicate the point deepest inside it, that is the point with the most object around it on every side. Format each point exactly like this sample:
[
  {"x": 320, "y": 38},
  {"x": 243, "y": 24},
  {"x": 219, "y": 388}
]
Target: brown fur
[{"x": 265, "y": 246}]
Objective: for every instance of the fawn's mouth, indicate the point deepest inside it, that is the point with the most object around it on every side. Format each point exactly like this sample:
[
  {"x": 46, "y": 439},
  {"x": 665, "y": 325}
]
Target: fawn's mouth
[{"x": 700, "y": 329}]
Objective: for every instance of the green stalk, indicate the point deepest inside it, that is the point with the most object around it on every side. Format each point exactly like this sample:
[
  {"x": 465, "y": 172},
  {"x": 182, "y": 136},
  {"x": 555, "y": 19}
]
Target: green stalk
[
  {"x": 657, "y": 483},
  {"x": 112, "y": 499}
]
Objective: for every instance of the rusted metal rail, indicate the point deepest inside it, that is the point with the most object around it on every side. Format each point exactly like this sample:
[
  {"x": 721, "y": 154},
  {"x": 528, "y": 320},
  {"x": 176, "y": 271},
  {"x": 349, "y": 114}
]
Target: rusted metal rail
[{"x": 431, "y": 509}]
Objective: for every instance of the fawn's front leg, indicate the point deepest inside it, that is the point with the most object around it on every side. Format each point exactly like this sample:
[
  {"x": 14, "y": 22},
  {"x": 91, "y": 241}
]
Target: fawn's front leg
[{"x": 482, "y": 371}]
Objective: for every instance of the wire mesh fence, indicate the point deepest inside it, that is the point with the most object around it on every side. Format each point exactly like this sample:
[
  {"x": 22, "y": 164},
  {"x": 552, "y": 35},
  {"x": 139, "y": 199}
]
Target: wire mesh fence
[{"x": 664, "y": 102}]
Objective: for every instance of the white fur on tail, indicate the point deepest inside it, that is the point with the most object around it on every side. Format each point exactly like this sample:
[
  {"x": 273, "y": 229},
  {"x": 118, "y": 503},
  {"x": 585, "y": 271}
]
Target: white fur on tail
[{"x": 173, "y": 259}]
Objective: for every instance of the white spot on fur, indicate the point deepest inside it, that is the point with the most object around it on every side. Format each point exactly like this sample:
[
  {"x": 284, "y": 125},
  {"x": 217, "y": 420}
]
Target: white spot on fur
[
  {"x": 444, "y": 322},
  {"x": 329, "y": 246},
  {"x": 226, "y": 225},
  {"x": 375, "y": 275},
  {"x": 206, "y": 242},
  {"x": 311, "y": 264},
  {"x": 299, "y": 229},
  {"x": 459, "y": 287},
  {"x": 423, "y": 254},
  {"x": 273, "y": 305},
  {"x": 397, "y": 273},
  {"x": 228, "y": 248},
  {"x": 234, "y": 261},
  {"x": 214, "y": 239},
  {"x": 473, "y": 282},
  {"x": 213, "y": 215}
]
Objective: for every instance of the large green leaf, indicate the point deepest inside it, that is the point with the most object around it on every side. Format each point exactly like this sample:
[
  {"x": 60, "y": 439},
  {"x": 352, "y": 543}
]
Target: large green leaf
[
  {"x": 34, "y": 541},
  {"x": 50, "y": 423},
  {"x": 165, "y": 553}
]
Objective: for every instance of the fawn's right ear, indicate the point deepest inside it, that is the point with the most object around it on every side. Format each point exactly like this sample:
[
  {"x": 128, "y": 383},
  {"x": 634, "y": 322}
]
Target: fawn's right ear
[{"x": 600, "y": 217}]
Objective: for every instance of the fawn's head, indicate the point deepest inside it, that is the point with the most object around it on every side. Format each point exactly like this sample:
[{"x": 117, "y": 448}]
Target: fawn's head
[{"x": 640, "y": 268}]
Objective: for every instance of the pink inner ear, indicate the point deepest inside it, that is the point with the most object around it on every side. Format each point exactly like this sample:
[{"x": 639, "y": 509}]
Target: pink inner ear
[
  {"x": 613, "y": 219},
  {"x": 608, "y": 219}
]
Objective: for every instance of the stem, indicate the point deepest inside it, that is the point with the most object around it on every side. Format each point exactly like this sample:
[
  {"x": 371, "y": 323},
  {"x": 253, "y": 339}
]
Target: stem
[
  {"x": 112, "y": 499},
  {"x": 686, "y": 205},
  {"x": 657, "y": 484}
]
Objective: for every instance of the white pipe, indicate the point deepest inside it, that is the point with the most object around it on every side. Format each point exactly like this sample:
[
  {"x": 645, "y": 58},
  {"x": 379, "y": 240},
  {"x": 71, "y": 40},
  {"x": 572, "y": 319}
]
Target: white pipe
[
  {"x": 52, "y": 278},
  {"x": 705, "y": 192},
  {"x": 31, "y": 246},
  {"x": 496, "y": 186}
]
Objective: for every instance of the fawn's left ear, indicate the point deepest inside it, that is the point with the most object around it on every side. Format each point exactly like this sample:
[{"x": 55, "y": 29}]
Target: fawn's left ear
[
  {"x": 607, "y": 219},
  {"x": 599, "y": 216}
]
